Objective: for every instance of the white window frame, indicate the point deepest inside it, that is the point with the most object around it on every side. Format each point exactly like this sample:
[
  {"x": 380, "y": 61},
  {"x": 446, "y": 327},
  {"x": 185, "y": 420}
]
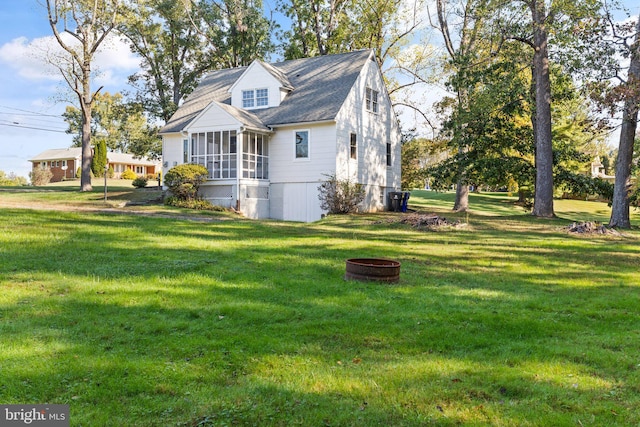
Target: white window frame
[
  {"x": 262, "y": 97},
  {"x": 255, "y": 156},
  {"x": 295, "y": 145},
  {"x": 185, "y": 151},
  {"x": 248, "y": 98},
  {"x": 353, "y": 146},
  {"x": 371, "y": 100},
  {"x": 389, "y": 154}
]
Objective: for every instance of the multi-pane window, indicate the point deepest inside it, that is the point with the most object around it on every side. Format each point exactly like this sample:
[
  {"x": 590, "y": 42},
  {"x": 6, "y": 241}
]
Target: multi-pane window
[
  {"x": 255, "y": 156},
  {"x": 371, "y": 100},
  {"x": 255, "y": 98},
  {"x": 217, "y": 152},
  {"x": 302, "y": 144},
  {"x": 262, "y": 97},
  {"x": 248, "y": 100},
  {"x": 353, "y": 146}
]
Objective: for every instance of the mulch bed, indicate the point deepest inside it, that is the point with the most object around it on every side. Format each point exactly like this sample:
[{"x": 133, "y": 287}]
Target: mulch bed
[{"x": 429, "y": 221}]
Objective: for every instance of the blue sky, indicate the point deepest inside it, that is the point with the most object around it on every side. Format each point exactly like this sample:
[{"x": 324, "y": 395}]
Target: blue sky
[{"x": 32, "y": 96}]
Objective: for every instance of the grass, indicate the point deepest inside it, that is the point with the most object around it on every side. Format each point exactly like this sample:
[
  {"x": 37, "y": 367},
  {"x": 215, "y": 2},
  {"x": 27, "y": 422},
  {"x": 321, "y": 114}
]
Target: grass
[{"x": 147, "y": 321}]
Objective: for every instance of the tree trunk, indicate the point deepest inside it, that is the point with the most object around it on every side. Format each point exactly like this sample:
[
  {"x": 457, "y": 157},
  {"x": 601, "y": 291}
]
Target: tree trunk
[
  {"x": 462, "y": 198},
  {"x": 87, "y": 154},
  {"x": 543, "y": 201},
  {"x": 620, "y": 206}
]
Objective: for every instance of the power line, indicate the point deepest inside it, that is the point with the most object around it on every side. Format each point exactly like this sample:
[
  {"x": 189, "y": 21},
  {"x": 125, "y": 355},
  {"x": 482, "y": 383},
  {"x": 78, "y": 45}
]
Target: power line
[
  {"x": 32, "y": 112},
  {"x": 26, "y": 118},
  {"x": 17, "y": 125}
]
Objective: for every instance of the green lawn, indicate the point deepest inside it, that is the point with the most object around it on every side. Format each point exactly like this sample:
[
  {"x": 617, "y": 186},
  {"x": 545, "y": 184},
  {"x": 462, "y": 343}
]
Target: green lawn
[{"x": 153, "y": 321}]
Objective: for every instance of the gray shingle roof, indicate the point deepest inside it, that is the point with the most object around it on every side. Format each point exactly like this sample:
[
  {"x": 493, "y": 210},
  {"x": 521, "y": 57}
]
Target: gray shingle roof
[
  {"x": 321, "y": 85},
  {"x": 58, "y": 154},
  {"x": 243, "y": 116}
]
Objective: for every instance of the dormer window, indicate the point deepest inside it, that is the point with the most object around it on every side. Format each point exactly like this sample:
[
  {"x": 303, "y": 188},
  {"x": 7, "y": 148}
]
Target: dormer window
[
  {"x": 255, "y": 98},
  {"x": 262, "y": 97},
  {"x": 248, "y": 100}
]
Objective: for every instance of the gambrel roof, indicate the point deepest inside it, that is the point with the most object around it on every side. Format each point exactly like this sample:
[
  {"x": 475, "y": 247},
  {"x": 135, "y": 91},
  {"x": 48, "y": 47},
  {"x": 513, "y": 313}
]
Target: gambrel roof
[{"x": 319, "y": 87}]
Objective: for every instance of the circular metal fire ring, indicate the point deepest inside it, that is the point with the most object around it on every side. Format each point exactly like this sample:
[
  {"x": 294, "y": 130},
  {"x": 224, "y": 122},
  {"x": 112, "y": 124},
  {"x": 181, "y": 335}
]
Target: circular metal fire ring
[{"x": 375, "y": 269}]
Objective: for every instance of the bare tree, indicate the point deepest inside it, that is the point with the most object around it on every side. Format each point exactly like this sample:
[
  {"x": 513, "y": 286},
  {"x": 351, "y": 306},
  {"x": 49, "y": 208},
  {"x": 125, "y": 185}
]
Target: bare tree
[{"x": 87, "y": 22}]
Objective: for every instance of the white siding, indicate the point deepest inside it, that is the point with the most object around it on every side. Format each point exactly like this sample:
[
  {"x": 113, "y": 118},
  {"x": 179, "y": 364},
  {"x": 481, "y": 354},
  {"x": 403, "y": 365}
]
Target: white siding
[
  {"x": 294, "y": 182},
  {"x": 374, "y": 131},
  {"x": 172, "y": 154},
  {"x": 284, "y": 167},
  {"x": 295, "y": 202},
  {"x": 211, "y": 119}
]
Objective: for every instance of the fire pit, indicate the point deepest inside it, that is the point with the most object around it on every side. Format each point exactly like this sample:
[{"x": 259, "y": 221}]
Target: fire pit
[{"x": 376, "y": 269}]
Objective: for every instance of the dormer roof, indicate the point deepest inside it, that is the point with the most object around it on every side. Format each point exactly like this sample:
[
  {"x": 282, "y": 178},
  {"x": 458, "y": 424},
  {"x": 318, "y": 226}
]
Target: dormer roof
[{"x": 273, "y": 71}]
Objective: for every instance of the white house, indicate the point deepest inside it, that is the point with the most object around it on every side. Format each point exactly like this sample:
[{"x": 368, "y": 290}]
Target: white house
[{"x": 270, "y": 133}]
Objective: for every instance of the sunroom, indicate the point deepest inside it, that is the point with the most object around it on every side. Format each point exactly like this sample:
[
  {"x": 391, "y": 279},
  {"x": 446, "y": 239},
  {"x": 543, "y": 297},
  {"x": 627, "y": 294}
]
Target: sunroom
[{"x": 234, "y": 147}]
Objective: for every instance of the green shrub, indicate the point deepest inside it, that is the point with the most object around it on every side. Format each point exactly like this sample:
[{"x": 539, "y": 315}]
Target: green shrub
[
  {"x": 340, "y": 196},
  {"x": 110, "y": 172},
  {"x": 579, "y": 186},
  {"x": 198, "y": 204},
  {"x": 184, "y": 180},
  {"x": 79, "y": 173},
  {"x": 128, "y": 174},
  {"x": 40, "y": 176},
  {"x": 140, "y": 182}
]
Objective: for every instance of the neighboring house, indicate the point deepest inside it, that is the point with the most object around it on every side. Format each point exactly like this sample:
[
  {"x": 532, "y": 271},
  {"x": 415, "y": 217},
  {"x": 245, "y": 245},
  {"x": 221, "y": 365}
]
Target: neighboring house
[
  {"x": 270, "y": 133},
  {"x": 64, "y": 163},
  {"x": 597, "y": 170}
]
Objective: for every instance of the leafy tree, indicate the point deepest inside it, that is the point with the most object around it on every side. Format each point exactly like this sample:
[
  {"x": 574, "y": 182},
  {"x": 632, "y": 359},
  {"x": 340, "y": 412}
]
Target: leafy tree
[
  {"x": 549, "y": 29},
  {"x": 318, "y": 27},
  {"x": 237, "y": 30},
  {"x": 415, "y": 155},
  {"x": 180, "y": 41},
  {"x": 623, "y": 191},
  {"x": 392, "y": 28},
  {"x": 123, "y": 126},
  {"x": 11, "y": 179},
  {"x": 462, "y": 58},
  {"x": 174, "y": 56},
  {"x": 88, "y": 23}
]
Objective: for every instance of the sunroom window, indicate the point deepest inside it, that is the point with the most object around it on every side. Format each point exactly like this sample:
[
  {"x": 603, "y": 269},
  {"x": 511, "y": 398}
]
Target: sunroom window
[
  {"x": 255, "y": 156},
  {"x": 216, "y": 151}
]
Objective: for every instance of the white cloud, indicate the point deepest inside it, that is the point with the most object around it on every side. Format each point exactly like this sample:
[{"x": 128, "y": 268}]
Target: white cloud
[
  {"x": 30, "y": 59},
  {"x": 20, "y": 55}
]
